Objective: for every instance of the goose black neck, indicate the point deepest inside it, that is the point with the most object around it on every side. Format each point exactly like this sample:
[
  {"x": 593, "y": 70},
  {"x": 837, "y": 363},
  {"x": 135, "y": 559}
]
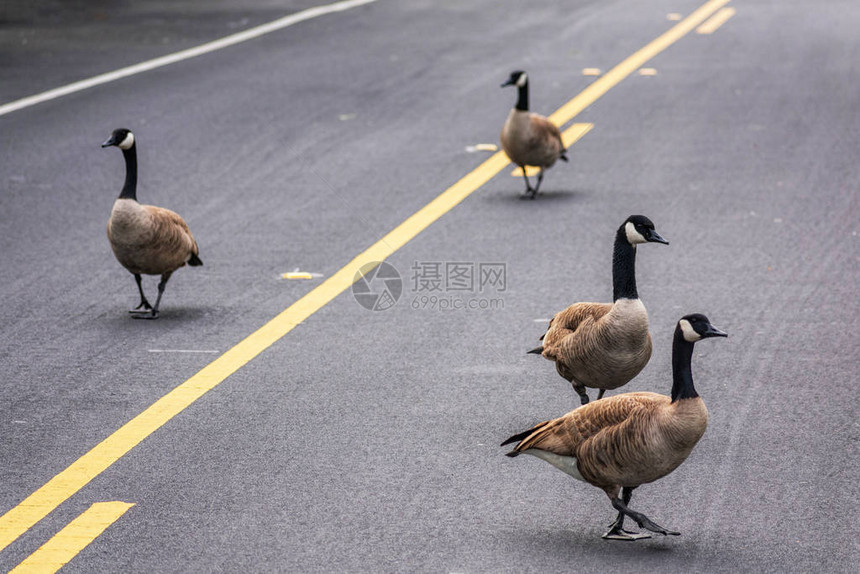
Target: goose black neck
[
  {"x": 523, "y": 98},
  {"x": 129, "y": 189},
  {"x": 624, "y": 268},
  {"x": 682, "y": 373}
]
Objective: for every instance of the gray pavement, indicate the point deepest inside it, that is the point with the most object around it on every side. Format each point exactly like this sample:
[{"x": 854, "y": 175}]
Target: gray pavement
[{"x": 368, "y": 441}]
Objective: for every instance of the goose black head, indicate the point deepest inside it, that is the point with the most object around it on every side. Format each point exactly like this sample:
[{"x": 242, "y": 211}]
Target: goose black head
[
  {"x": 517, "y": 78},
  {"x": 122, "y": 138},
  {"x": 640, "y": 229},
  {"x": 696, "y": 327}
]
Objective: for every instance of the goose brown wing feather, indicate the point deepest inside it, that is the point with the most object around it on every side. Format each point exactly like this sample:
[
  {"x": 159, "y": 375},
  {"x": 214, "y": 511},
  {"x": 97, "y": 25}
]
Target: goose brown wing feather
[
  {"x": 545, "y": 130},
  {"x": 564, "y": 323},
  {"x": 596, "y": 427},
  {"x": 171, "y": 238}
]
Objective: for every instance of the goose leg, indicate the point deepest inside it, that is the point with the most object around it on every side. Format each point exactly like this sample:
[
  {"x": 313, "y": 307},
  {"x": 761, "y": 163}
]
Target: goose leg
[
  {"x": 161, "y": 285},
  {"x": 143, "y": 302},
  {"x": 600, "y": 394},
  {"x": 540, "y": 179},
  {"x": 530, "y": 193},
  {"x": 642, "y": 520},
  {"x": 580, "y": 390},
  {"x": 616, "y": 529}
]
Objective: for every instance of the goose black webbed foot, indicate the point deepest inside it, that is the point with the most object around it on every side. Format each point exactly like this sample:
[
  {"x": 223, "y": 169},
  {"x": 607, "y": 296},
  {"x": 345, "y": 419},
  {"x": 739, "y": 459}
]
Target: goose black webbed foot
[
  {"x": 144, "y": 307},
  {"x": 529, "y": 193},
  {"x": 143, "y": 302},
  {"x": 654, "y": 527},
  {"x": 616, "y": 529},
  {"x": 153, "y": 314},
  {"x": 618, "y": 533},
  {"x": 642, "y": 520}
]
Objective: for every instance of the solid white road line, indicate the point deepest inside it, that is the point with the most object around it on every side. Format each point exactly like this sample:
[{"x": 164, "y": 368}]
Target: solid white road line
[{"x": 231, "y": 40}]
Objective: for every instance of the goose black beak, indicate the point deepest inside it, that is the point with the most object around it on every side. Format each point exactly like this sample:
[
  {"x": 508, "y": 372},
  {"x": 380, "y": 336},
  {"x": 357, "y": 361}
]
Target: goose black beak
[
  {"x": 506, "y": 84},
  {"x": 655, "y": 237},
  {"x": 714, "y": 332},
  {"x": 109, "y": 142}
]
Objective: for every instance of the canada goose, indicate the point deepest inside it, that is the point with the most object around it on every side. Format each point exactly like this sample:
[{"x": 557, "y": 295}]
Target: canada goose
[
  {"x": 605, "y": 345},
  {"x": 529, "y": 138},
  {"x": 146, "y": 239},
  {"x": 630, "y": 439}
]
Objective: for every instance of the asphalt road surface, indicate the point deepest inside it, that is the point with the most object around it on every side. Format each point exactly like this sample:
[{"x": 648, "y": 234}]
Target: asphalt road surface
[{"x": 367, "y": 441}]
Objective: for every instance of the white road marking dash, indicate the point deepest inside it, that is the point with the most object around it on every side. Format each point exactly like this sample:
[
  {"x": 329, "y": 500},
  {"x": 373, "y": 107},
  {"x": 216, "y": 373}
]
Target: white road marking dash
[
  {"x": 182, "y": 351},
  {"x": 206, "y": 48}
]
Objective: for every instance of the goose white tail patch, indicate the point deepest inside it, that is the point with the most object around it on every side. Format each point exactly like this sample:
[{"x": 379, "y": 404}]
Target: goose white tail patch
[
  {"x": 566, "y": 464},
  {"x": 633, "y": 236},
  {"x": 127, "y": 142},
  {"x": 690, "y": 334}
]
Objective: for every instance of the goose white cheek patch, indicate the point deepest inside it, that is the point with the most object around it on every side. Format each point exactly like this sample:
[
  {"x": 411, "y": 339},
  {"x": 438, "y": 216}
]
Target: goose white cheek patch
[
  {"x": 521, "y": 81},
  {"x": 690, "y": 334},
  {"x": 127, "y": 142},
  {"x": 633, "y": 236}
]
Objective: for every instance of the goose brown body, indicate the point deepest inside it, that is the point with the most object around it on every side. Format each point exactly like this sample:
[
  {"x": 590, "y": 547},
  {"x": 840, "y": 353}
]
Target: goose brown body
[
  {"x": 531, "y": 139},
  {"x": 623, "y": 441},
  {"x": 599, "y": 345},
  {"x": 149, "y": 240}
]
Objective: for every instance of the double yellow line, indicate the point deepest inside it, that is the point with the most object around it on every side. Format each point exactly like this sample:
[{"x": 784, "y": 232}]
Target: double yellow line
[{"x": 65, "y": 484}]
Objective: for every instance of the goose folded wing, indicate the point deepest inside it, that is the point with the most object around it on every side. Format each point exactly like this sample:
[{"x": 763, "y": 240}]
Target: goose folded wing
[
  {"x": 591, "y": 426},
  {"x": 171, "y": 232},
  {"x": 564, "y": 323},
  {"x": 602, "y": 419},
  {"x": 545, "y": 130}
]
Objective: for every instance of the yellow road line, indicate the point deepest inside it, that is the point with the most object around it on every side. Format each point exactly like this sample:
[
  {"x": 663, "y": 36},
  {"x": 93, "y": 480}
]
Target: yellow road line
[
  {"x": 530, "y": 171},
  {"x": 68, "y": 542},
  {"x": 716, "y": 21},
  {"x": 568, "y": 137},
  {"x": 635, "y": 61},
  {"x": 65, "y": 484}
]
